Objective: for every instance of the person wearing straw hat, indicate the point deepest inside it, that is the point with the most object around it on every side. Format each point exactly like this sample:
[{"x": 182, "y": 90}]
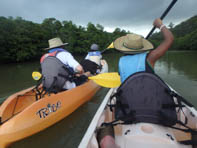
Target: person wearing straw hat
[
  {"x": 139, "y": 53},
  {"x": 60, "y": 64},
  {"x": 139, "y": 56}
]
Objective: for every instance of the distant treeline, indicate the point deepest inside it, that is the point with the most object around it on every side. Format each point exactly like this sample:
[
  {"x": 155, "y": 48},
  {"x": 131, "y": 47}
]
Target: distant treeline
[
  {"x": 22, "y": 40},
  {"x": 185, "y": 35}
]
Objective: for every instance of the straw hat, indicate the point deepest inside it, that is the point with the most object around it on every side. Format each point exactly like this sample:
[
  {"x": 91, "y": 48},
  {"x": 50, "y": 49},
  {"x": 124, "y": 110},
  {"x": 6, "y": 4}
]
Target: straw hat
[
  {"x": 55, "y": 42},
  {"x": 132, "y": 43}
]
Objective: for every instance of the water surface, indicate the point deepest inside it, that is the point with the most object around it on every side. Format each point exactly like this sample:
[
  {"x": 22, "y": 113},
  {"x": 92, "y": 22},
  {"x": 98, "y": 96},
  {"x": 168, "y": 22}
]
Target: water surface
[{"x": 177, "y": 68}]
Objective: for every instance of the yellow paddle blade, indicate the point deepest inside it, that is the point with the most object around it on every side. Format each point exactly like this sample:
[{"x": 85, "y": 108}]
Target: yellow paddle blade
[
  {"x": 36, "y": 75},
  {"x": 109, "y": 80},
  {"x": 111, "y": 45}
]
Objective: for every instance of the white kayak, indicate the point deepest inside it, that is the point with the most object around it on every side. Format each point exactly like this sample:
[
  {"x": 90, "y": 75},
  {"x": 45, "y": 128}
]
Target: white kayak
[{"x": 140, "y": 135}]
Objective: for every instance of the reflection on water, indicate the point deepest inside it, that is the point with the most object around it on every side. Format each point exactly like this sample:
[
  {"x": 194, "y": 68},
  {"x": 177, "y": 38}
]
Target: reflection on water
[
  {"x": 14, "y": 77},
  {"x": 176, "y": 68},
  {"x": 182, "y": 62},
  {"x": 179, "y": 70}
]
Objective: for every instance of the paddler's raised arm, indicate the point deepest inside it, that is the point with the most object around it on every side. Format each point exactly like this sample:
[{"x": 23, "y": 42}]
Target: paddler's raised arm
[{"x": 154, "y": 55}]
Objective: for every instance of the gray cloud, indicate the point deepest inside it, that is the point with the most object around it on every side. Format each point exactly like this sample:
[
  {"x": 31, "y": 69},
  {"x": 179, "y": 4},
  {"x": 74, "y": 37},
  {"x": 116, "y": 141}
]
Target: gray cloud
[{"x": 109, "y": 13}]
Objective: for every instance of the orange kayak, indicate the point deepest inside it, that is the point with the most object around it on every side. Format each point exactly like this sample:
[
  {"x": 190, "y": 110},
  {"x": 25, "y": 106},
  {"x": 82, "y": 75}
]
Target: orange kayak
[{"x": 22, "y": 115}]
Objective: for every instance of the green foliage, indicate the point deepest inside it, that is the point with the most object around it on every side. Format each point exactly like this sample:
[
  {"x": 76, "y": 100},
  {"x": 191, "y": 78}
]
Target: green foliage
[
  {"x": 185, "y": 35},
  {"x": 22, "y": 40}
]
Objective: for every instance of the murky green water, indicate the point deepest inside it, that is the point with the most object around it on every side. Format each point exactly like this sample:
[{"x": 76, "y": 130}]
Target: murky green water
[{"x": 179, "y": 69}]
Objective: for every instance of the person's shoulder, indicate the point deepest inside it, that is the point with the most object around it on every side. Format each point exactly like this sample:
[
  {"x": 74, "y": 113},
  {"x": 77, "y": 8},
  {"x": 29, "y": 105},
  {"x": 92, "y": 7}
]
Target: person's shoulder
[
  {"x": 96, "y": 53},
  {"x": 64, "y": 52}
]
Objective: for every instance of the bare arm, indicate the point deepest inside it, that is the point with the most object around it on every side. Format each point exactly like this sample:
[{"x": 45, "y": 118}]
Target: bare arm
[
  {"x": 154, "y": 55},
  {"x": 79, "y": 69}
]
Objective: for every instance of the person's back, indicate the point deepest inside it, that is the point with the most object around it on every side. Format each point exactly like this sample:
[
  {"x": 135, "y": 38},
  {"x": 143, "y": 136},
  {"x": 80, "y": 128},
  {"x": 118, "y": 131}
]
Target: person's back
[
  {"x": 137, "y": 59},
  {"x": 135, "y": 49},
  {"x": 139, "y": 55},
  {"x": 92, "y": 61},
  {"x": 94, "y": 54},
  {"x": 58, "y": 67}
]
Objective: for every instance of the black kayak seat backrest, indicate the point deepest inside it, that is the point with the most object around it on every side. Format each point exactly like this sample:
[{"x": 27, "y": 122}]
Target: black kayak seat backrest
[
  {"x": 142, "y": 97},
  {"x": 145, "y": 97}
]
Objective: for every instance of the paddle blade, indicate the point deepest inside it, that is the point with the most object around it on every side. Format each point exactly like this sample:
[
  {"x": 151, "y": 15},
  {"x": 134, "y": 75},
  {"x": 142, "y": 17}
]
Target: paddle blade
[
  {"x": 111, "y": 45},
  {"x": 109, "y": 80},
  {"x": 36, "y": 75}
]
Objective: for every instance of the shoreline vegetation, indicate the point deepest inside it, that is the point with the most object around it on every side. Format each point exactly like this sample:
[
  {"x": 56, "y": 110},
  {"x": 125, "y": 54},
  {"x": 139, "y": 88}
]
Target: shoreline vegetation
[
  {"x": 22, "y": 40},
  {"x": 185, "y": 35}
]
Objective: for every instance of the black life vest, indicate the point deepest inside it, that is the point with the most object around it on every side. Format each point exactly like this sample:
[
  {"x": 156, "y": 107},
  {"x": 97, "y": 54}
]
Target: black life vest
[
  {"x": 90, "y": 66},
  {"x": 54, "y": 73}
]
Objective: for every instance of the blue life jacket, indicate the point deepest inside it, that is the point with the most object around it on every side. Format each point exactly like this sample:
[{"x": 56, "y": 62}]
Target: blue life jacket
[
  {"x": 131, "y": 64},
  {"x": 94, "y": 53},
  {"x": 57, "y": 49}
]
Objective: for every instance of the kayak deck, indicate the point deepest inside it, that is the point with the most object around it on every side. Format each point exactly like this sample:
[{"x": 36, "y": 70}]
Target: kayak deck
[
  {"x": 17, "y": 103},
  {"x": 144, "y": 135},
  {"x": 140, "y": 135},
  {"x": 23, "y": 115}
]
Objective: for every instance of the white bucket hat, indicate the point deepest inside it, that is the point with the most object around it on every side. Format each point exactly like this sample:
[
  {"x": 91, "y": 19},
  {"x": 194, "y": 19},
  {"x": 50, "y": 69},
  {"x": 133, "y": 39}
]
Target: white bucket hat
[
  {"x": 55, "y": 42},
  {"x": 132, "y": 43}
]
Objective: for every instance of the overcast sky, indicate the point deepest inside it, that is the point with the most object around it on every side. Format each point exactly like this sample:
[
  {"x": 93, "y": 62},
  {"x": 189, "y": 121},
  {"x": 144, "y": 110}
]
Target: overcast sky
[{"x": 133, "y": 15}]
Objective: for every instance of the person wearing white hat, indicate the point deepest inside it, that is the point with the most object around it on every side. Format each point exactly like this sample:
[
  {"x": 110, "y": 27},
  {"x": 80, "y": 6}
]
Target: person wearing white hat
[
  {"x": 53, "y": 67},
  {"x": 92, "y": 61}
]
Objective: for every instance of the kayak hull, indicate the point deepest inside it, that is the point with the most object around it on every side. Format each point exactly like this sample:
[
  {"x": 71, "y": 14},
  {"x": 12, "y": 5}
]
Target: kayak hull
[
  {"x": 39, "y": 115},
  {"x": 30, "y": 116}
]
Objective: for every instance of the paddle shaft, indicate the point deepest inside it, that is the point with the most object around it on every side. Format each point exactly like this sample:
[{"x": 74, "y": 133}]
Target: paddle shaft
[
  {"x": 104, "y": 50},
  {"x": 162, "y": 17}
]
